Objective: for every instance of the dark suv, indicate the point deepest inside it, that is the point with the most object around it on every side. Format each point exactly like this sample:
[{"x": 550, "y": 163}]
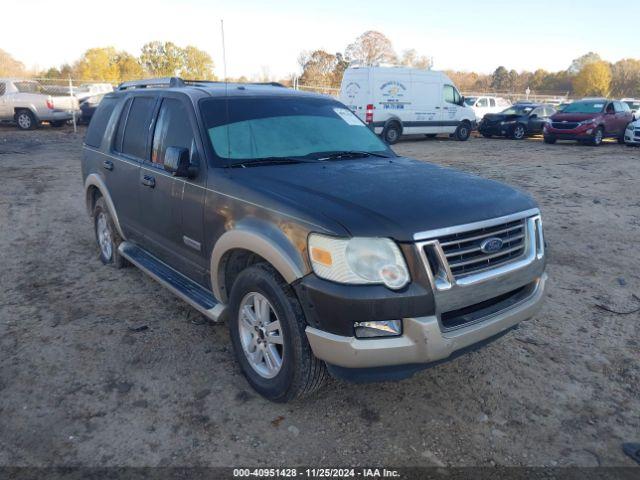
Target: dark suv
[
  {"x": 589, "y": 121},
  {"x": 281, "y": 212}
]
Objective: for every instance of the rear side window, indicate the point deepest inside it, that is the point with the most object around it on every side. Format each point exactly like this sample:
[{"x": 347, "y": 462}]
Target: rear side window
[
  {"x": 134, "y": 138},
  {"x": 492, "y": 102},
  {"x": 173, "y": 129},
  {"x": 99, "y": 122},
  {"x": 483, "y": 102},
  {"x": 3, "y": 88}
]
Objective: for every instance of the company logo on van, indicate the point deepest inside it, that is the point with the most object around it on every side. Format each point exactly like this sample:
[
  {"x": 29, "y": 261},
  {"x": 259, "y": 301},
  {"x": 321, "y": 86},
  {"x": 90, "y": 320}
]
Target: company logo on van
[
  {"x": 393, "y": 93},
  {"x": 352, "y": 89}
]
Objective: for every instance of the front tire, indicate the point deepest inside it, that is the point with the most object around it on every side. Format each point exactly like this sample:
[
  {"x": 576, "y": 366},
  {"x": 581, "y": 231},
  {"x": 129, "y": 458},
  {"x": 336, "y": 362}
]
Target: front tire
[
  {"x": 518, "y": 132},
  {"x": 107, "y": 236},
  {"x": 463, "y": 131},
  {"x": 391, "y": 133},
  {"x": 26, "y": 120},
  {"x": 267, "y": 329},
  {"x": 596, "y": 141}
]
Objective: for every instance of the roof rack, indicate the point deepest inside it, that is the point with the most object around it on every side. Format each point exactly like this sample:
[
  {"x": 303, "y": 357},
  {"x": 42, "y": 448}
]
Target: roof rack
[{"x": 177, "y": 82}]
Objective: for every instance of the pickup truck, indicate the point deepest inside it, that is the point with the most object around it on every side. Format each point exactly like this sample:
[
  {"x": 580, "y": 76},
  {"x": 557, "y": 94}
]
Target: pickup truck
[{"x": 26, "y": 103}]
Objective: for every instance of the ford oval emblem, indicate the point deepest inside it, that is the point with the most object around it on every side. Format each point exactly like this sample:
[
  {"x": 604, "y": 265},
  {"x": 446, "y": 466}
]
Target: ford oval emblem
[{"x": 491, "y": 245}]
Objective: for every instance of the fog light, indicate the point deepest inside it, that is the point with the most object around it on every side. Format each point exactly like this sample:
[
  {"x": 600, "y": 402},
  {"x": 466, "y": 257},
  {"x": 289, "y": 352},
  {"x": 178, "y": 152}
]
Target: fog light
[{"x": 384, "y": 328}]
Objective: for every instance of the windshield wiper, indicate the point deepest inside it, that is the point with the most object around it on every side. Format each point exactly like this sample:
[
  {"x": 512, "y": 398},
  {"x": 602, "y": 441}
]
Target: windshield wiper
[
  {"x": 256, "y": 162},
  {"x": 350, "y": 154}
]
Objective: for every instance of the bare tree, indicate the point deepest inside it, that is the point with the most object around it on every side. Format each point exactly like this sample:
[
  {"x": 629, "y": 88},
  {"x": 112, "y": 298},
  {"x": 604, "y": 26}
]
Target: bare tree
[
  {"x": 9, "y": 66},
  {"x": 410, "y": 58},
  {"x": 371, "y": 48}
]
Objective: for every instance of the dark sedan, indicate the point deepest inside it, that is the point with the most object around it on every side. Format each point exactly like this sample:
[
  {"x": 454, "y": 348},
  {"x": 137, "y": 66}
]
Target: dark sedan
[{"x": 517, "y": 121}]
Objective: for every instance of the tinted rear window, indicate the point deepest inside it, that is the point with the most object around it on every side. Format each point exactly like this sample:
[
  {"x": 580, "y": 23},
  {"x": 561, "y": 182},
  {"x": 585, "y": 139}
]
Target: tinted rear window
[
  {"x": 99, "y": 122},
  {"x": 134, "y": 141}
]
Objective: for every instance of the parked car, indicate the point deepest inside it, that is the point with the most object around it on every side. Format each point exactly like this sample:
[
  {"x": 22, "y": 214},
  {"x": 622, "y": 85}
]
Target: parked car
[
  {"x": 517, "y": 121},
  {"x": 632, "y": 133},
  {"x": 88, "y": 107},
  {"x": 25, "y": 102},
  {"x": 484, "y": 105},
  {"x": 589, "y": 121},
  {"x": 395, "y": 101},
  {"x": 634, "y": 105},
  {"x": 88, "y": 90},
  {"x": 281, "y": 212}
]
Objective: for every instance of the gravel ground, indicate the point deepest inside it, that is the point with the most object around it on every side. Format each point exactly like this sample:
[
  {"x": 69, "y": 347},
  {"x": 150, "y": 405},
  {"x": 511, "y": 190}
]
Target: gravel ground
[{"x": 79, "y": 386}]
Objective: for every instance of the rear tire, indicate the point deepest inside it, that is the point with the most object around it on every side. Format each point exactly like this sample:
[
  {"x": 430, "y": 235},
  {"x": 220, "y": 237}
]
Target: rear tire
[
  {"x": 26, "y": 120},
  {"x": 299, "y": 373},
  {"x": 463, "y": 131},
  {"x": 107, "y": 236},
  {"x": 391, "y": 133},
  {"x": 549, "y": 140}
]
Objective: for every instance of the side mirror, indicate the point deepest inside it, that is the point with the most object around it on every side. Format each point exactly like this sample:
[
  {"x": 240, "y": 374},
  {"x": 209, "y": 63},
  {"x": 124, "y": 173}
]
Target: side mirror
[{"x": 177, "y": 162}]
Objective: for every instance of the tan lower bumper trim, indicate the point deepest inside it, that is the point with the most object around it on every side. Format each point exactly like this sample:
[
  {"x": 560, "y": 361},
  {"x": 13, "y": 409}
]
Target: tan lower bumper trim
[{"x": 422, "y": 340}]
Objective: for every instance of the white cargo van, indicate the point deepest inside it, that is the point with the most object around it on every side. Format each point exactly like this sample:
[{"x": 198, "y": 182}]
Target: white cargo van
[{"x": 397, "y": 100}]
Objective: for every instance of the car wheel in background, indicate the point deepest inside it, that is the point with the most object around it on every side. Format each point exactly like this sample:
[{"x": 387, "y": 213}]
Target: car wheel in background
[
  {"x": 107, "y": 236},
  {"x": 26, "y": 120},
  {"x": 463, "y": 131},
  {"x": 549, "y": 140},
  {"x": 518, "y": 132},
  {"x": 597, "y": 137},
  {"x": 58, "y": 123},
  {"x": 391, "y": 133},
  {"x": 267, "y": 329}
]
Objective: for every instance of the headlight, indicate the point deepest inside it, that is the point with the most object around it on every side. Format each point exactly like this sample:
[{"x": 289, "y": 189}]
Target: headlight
[
  {"x": 358, "y": 260},
  {"x": 587, "y": 122}
]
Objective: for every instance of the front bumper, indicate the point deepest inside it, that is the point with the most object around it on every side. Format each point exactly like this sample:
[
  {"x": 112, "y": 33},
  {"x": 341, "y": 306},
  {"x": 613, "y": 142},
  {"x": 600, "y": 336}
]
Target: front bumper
[
  {"x": 497, "y": 130},
  {"x": 632, "y": 138},
  {"x": 580, "y": 133},
  {"x": 422, "y": 341}
]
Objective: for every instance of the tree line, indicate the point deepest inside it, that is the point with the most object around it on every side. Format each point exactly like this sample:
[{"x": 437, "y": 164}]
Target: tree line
[
  {"x": 106, "y": 64},
  {"x": 587, "y": 75}
]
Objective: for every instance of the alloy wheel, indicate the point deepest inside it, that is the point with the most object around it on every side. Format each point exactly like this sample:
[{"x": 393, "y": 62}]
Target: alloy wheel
[
  {"x": 104, "y": 236},
  {"x": 24, "y": 121},
  {"x": 261, "y": 335}
]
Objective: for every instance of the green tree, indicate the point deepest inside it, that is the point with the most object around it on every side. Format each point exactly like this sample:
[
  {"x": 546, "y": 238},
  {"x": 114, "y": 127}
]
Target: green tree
[
  {"x": 594, "y": 79},
  {"x": 500, "y": 79},
  {"x": 579, "y": 63},
  {"x": 197, "y": 64},
  {"x": 162, "y": 59}
]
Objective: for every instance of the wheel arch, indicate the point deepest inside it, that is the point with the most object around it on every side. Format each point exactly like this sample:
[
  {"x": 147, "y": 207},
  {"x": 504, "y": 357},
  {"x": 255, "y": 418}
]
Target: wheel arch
[
  {"x": 258, "y": 238},
  {"x": 94, "y": 187},
  {"x": 393, "y": 119}
]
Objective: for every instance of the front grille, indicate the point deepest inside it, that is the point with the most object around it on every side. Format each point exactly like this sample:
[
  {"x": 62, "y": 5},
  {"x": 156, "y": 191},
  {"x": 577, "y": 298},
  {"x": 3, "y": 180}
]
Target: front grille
[
  {"x": 564, "y": 125},
  {"x": 464, "y": 251}
]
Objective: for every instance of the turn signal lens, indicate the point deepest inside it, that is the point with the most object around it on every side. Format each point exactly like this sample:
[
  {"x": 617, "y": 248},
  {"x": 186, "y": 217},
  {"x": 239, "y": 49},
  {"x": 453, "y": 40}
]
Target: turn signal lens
[{"x": 321, "y": 256}]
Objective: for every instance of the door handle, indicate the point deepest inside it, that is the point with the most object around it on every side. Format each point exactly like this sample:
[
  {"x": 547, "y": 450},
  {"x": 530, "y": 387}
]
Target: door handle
[
  {"x": 107, "y": 165},
  {"x": 437, "y": 108},
  {"x": 148, "y": 181}
]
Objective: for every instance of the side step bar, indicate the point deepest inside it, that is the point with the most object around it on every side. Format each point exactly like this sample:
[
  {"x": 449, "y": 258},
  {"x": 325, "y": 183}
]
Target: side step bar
[{"x": 195, "y": 295}]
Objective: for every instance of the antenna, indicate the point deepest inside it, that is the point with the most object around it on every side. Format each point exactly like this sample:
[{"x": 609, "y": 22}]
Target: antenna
[{"x": 226, "y": 91}]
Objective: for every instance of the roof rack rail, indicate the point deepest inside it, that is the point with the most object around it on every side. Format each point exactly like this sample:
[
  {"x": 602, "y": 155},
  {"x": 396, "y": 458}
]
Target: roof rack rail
[
  {"x": 176, "y": 82},
  {"x": 152, "y": 82}
]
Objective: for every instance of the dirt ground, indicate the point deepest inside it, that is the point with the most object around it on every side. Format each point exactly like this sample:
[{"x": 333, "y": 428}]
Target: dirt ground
[{"x": 80, "y": 386}]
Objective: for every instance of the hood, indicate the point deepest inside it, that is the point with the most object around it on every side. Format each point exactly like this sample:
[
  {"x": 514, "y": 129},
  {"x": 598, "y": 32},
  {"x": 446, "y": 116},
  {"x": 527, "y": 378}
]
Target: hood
[
  {"x": 573, "y": 117},
  {"x": 394, "y": 198}
]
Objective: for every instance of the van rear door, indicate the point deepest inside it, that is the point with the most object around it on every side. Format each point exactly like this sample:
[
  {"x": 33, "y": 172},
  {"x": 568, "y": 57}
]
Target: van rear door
[{"x": 355, "y": 91}]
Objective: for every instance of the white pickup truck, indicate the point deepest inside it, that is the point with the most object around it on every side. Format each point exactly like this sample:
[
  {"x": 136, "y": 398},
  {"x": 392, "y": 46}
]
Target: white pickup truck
[{"x": 26, "y": 103}]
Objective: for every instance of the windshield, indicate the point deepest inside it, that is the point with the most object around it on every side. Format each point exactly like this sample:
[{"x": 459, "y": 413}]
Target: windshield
[
  {"x": 595, "y": 106},
  {"x": 284, "y": 127},
  {"x": 469, "y": 101},
  {"x": 518, "y": 110}
]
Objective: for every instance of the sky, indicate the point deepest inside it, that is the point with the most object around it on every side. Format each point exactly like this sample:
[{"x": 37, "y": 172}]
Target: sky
[{"x": 267, "y": 36}]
